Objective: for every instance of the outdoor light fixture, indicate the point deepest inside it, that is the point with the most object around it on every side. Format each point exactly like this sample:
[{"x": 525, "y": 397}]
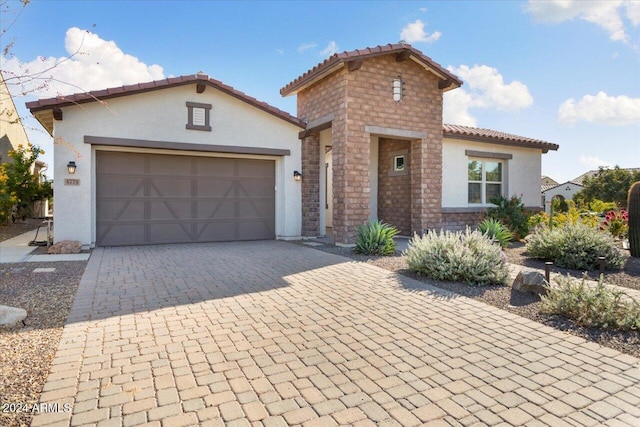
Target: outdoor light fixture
[
  {"x": 297, "y": 176},
  {"x": 397, "y": 89},
  {"x": 71, "y": 167}
]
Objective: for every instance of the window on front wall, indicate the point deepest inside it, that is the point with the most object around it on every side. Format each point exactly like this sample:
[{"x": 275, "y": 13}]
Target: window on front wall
[{"x": 485, "y": 180}]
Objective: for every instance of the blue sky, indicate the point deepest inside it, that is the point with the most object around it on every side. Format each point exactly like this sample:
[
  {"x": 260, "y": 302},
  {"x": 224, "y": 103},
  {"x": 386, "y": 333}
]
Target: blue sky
[{"x": 566, "y": 72}]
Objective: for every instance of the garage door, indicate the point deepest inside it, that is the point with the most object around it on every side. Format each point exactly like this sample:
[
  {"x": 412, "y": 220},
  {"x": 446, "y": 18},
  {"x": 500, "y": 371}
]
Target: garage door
[{"x": 153, "y": 198}]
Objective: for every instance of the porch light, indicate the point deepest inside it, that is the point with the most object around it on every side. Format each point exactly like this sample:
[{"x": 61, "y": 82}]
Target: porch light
[
  {"x": 397, "y": 89},
  {"x": 297, "y": 176},
  {"x": 71, "y": 167}
]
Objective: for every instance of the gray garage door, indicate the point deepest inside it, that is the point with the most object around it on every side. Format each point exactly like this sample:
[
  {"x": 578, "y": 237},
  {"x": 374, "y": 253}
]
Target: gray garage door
[{"x": 152, "y": 198}]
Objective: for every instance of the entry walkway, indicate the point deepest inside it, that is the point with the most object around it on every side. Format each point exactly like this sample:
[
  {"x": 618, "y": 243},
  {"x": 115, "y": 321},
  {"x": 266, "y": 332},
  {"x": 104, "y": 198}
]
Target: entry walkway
[
  {"x": 274, "y": 334},
  {"x": 17, "y": 249}
]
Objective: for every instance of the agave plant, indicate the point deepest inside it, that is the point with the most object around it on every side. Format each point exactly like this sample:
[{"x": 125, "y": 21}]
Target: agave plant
[
  {"x": 496, "y": 231},
  {"x": 376, "y": 238}
]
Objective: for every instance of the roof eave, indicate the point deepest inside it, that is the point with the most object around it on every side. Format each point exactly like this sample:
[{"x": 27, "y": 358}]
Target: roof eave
[
  {"x": 543, "y": 146},
  {"x": 310, "y": 80}
]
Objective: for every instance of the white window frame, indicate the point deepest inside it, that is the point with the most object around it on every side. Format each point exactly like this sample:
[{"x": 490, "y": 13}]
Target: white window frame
[{"x": 483, "y": 182}]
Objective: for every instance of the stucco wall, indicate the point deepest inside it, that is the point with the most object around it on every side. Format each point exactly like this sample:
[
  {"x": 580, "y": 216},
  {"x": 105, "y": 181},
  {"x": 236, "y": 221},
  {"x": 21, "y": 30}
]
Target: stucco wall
[
  {"x": 566, "y": 190},
  {"x": 161, "y": 116},
  {"x": 522, "y": 172}
]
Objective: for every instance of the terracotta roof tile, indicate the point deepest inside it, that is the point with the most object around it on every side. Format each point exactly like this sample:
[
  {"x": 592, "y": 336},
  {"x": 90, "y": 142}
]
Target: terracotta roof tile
[
  {"x": 79, "y": 98},
  {"x": 489, "y": 135},
  {"x": 340, "y": 58}
]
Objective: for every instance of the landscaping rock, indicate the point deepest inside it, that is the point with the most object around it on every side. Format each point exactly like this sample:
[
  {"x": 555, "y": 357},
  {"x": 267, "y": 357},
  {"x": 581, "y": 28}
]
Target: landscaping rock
[
  {"x": 11, "y": 315},
  {"x": 530, "y": 281},
  {"x": 66, "y": 247}
]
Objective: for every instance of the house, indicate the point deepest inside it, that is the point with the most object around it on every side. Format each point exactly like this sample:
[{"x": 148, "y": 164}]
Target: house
[
  {"x": 567, "y": 190},
  {"x": 12, "y": 132},
  {"x": 190, "y": 159}
]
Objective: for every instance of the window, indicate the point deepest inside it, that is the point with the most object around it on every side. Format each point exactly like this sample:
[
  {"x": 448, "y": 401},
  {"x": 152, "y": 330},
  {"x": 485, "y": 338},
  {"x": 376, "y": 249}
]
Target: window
[
  {"x": 485, "y": 180},
  {"x": 198, "y": 116},
  {"x": 398, "y": 163}
]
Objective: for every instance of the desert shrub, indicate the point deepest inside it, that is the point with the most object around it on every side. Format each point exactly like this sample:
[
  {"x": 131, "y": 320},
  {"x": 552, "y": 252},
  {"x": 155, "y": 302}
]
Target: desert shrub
[
  {"x": 616, "y": 223},
  {"x": 496, "y": 231},
  {"x": 575, "y": 246},
  {"x": 376, "y": 238},
  {"x": 539, "y": 219},
  {"x": 469, "y": 257},
  {"x": 574, "y": 215},
  {"x": 598, "y": 206},
  {"x": 592, "y": 306},
  {"x": 512, "y": 213}
]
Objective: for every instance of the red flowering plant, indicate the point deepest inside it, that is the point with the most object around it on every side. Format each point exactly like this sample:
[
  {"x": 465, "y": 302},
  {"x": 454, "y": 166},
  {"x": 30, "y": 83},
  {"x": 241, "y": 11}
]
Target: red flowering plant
[{"x": 616, "y": 223}]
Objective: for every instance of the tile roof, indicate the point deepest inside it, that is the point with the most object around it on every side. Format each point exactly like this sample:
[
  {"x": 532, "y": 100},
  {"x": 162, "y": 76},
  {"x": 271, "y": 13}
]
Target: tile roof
[
  {"x": 489, "y": 135},
  {"x": 337, "y": 59},
  {"x": 99, "y": 95}
]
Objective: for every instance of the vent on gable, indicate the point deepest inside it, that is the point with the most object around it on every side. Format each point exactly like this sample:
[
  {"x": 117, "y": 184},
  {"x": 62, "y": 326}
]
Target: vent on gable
[{"x": 198, "y": 116}]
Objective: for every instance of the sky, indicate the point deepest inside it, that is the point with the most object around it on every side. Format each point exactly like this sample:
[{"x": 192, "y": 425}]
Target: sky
[{"x": 564, "y": 71}]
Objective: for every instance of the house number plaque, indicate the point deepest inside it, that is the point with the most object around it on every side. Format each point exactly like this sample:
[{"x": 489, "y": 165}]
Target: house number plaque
[{"x": 71, "y": 181}]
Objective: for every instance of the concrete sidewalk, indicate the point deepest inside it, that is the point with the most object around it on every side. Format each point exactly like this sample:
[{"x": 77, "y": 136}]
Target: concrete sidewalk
[{"x": 17, "y": 249}]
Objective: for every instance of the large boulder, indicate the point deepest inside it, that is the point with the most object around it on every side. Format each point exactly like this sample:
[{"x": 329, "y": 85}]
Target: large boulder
[
  {"x": 11, "y": 315},
  {"x": 530, "y": 281},
  {"x": 66, "y": 247}
]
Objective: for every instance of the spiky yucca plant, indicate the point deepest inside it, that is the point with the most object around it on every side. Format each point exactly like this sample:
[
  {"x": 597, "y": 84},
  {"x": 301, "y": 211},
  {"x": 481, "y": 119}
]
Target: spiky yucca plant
[
  {"x": 496, "y": 231},
  {"x": 376, "y": 238}
]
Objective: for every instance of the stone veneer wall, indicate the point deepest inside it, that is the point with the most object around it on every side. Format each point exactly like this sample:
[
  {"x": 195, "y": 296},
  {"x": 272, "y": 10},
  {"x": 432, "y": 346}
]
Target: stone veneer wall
[
  {"x": 362, "y": 98},
  {"x": 458, "y": 221},
  {"x": 394, "y": 191}
]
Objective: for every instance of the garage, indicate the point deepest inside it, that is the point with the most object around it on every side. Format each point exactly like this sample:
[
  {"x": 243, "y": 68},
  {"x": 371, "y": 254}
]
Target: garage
[{"x": 144, "y": 198}]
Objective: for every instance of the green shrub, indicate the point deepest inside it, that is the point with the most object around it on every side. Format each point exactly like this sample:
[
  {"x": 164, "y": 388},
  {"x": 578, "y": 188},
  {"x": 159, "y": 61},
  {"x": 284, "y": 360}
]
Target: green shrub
[
  {"x": 592, "y": 306},
  {"x": 496, "y": 231},
  {"x": 512, "y": 213},
  {"x": 575, "y": 246},
  {"x": 601, "y": 207},
  {"x": 376, "y": 238},
  {"x": 469, "y": 257}
]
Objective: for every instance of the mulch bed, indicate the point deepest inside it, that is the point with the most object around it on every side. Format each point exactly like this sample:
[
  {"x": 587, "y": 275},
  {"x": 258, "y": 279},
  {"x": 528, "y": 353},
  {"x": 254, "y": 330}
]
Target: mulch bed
[
  {"x": 520, "y": 303},
  {"x": 26, "y": 351}
]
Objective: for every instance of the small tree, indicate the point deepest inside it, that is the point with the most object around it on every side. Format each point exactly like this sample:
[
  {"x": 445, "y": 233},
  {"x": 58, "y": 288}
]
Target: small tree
[
  {"x": 19, "y": 187},
  {"x": 608, "y": 185}
]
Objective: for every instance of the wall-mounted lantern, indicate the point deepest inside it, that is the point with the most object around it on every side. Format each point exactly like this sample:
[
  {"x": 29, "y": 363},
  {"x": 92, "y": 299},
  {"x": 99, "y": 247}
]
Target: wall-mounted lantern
[
  {"x": 297, "y": 176},
  {"x": 71, "y": 167},
  {"x": 397, "y": 89}
]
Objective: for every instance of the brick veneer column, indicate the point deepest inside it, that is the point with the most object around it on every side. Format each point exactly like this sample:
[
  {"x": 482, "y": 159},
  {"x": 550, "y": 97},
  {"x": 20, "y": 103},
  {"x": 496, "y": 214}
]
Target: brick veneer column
[
  {"x": 311, "y": 185},
  {"x": 426, "y": 183}
]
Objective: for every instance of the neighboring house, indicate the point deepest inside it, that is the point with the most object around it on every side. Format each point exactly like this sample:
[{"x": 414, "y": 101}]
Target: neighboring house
[
  {"x": 12, "y": 132},
  {"x": 567, "y": 190},
  {"x": 564, "y": 191},
  {"x": 190, "y": 159}
]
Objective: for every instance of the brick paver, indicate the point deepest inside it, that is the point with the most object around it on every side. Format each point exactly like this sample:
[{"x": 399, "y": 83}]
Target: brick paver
[{"x": 271, "y": 333}]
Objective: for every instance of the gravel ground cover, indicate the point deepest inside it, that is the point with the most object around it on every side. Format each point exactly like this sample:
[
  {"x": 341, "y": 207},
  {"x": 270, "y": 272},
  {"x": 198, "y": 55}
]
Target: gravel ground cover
[
  {"x": 26, "y": 351},
  {"x": 520, "y": 303}
]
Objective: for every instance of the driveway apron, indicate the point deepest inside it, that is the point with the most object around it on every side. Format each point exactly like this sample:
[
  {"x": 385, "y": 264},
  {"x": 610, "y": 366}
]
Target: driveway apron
[{"x": 271, "y": 333}]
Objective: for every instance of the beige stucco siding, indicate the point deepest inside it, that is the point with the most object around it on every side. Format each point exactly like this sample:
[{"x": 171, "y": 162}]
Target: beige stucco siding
[
  {"x": 161, "y": 116},
  {"x": 522, "y": 174}
]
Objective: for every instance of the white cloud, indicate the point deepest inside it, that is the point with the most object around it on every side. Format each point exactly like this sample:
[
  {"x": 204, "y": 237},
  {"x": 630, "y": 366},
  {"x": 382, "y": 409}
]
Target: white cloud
[
  {"x": 633, "y": 12},
  {"x": 601, "y": 109},
  {"x": 331, "y": 48},
  {"x": 607, "y": 14},
  {"x": 592, "y": 162},
  {"x": 306, "y": 46},
  {"x": 423, "y": 9},
  {"x": 280, "y": 51},
  {"x": 484, "y": 88},
  {"x": 414, "y": 32},
  {"x": 93, "y": 64}
]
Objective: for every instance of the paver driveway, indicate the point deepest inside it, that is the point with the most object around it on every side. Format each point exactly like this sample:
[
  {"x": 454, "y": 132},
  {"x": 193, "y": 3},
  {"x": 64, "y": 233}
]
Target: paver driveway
[{"x": 271, "y": 333}]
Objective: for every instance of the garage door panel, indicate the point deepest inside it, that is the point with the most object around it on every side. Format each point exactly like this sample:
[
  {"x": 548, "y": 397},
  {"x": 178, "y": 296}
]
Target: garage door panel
[
  {"x": 169, "y": 210},
  {"x": 114, "y": 210},
  {"x": 116, "y": 235},
  {"x": 153, "y": 198}
]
